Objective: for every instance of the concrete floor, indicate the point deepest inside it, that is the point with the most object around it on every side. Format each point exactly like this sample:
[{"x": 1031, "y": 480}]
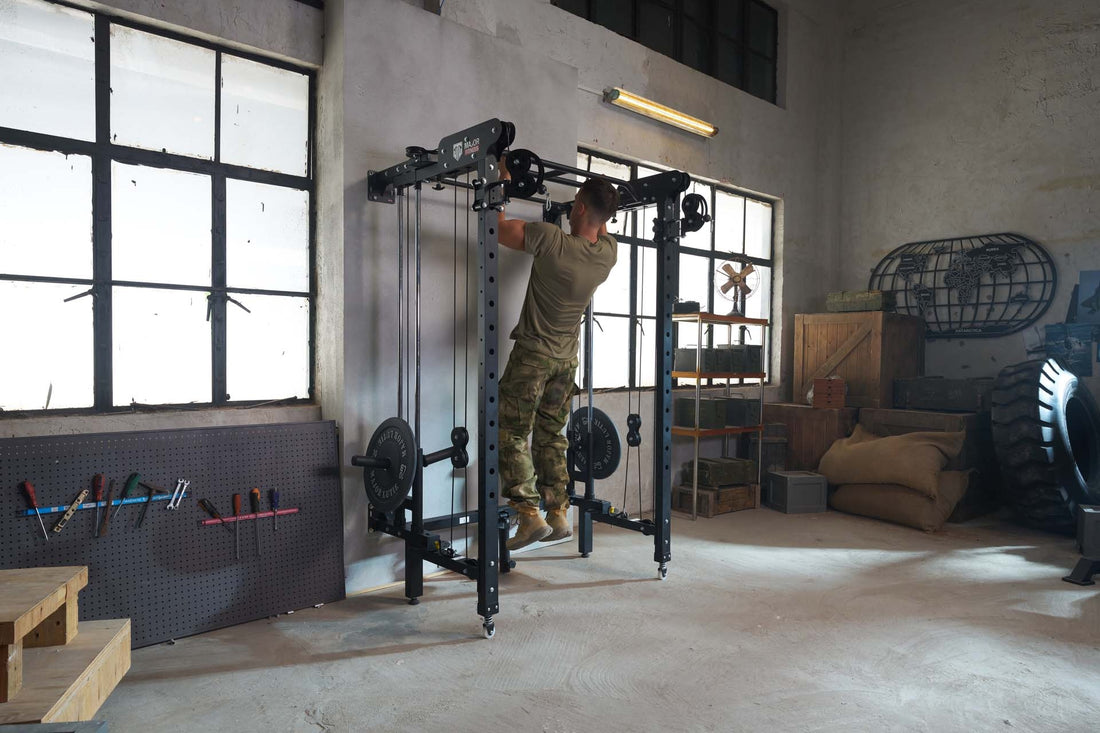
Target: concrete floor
[{"x": 767, "y": 622}]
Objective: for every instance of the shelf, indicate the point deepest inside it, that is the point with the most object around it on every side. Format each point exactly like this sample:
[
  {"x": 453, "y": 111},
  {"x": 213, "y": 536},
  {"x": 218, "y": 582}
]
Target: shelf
[
  {"x": 709, "y": 432},
  {"x": 718, "y": 375},
  {"x": 714, "y": 318}
]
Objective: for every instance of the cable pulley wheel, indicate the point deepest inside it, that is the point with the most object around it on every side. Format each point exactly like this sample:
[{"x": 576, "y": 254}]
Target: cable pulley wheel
[
  {"x": 694, "y": 207},
  {"x": 525, "y": 182},
  {"x": 606, "y": 449},
  {"x": 390, "y": 464}
]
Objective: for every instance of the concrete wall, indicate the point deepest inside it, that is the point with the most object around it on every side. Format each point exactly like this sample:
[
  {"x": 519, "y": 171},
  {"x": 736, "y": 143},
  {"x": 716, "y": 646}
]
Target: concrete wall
[
  {"x": 412, "y": 77},
  {"x": 967, "y": 117}
]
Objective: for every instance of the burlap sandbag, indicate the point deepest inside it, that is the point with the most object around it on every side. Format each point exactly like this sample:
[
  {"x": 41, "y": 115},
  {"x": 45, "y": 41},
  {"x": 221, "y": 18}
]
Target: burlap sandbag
[
  {"x": 914, "y": 459},
  {"x": 901, "y": 505}
]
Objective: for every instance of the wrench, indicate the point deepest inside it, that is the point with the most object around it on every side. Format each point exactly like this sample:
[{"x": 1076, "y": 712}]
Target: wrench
[{"x": 178, "y": 494}]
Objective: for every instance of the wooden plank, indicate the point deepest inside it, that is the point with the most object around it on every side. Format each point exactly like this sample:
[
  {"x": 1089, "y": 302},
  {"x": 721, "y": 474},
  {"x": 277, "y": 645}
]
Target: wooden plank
[
  {"x": 71, "y": 682},
  {"x": 58, "y": 628},
  {"x": 842, "y": 352},
  {"x": 30, "y": 595},
  {"x": 11, "y": 673}
]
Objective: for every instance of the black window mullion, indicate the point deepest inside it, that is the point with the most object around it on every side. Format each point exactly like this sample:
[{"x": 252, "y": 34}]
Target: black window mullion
[
  {"x": 218, "y": 297},
  {"x": 102, "y": 331},
  {"x": 311, "y": 171}
]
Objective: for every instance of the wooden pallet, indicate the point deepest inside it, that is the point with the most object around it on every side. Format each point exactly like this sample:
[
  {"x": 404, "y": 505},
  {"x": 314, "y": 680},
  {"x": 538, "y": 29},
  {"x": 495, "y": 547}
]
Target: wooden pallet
[
  {"x": 52, "y": 673},
  {"x": 714, "y": 501}
]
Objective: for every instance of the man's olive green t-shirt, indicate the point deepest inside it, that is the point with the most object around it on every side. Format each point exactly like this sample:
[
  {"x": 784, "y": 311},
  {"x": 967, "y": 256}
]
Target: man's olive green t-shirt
[{"x": 566, "y": 272}]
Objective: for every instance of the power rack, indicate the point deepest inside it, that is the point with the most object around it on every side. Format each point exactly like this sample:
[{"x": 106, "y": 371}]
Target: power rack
[{"x": 394, "y": 460}]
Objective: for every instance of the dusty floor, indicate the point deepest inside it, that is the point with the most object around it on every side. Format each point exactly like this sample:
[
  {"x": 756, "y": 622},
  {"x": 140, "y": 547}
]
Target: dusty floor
[{"x": 767, "y": 622}]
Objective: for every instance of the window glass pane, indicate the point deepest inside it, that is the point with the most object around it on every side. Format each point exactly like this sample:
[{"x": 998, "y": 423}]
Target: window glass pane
[
  {"x": 162, "y": 93},
  {"x": 54, "y": 342},
  {"x": 697, "y": 9},
  {"x": 695, "y": 279},
  {"x": 728, "y": 17},
  {"x": 647, "y": 281},
  {"x": 729, "y": 222},
  {"x": 696, "y": 46},
  {"x": 609, "y": 168},
  {"x": 616, "y": 15},
  {"x": 758, "y": 229},
  {"x": 701, "y": 239},
  {"x": 729, "y": 62},
  {"x": 45, "y": 213},
  {"x": 762, "y": 29},
  {"x": 613, "y": 296},
  {"x": 268, "y": 349},
  {"x": 577, "y": 7},
  {"x": 267, "y": 236},
  {"x": 611, "y": 345},
  {"x": 644, "y": 171},
  {"x": 761, "y": 78},
  {"x": 265, "y": 116},
  {"x": 160, "y": 225},
  {"x": 47, "y": 69},
  {"x": 655, "y": 27},
  {"x": 161, "y": 346}
]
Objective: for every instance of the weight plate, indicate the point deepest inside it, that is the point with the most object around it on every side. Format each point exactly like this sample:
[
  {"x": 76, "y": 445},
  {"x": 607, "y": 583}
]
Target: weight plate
[
  {"x": 394, "y": 442},
  {"x": 605, "y": 443}
]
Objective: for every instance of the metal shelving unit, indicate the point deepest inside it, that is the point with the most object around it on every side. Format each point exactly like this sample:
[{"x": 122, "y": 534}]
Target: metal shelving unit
[{"x": 696, "y": 433}]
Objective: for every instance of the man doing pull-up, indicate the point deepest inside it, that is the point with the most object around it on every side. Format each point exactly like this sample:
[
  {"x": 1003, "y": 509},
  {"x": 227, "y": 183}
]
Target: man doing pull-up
[{"x": 538, "y": 383}]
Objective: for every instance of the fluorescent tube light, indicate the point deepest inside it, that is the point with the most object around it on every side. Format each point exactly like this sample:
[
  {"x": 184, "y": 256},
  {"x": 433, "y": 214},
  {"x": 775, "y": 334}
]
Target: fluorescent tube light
[{"x": 649, "y": 108}]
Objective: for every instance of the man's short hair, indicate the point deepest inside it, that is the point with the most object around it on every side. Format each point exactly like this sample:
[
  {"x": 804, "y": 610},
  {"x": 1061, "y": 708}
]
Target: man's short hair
[{"x": 600, "y": 197}]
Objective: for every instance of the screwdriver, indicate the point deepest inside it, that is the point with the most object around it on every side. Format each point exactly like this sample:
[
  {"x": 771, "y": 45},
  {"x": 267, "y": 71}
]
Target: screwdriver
[
  {"x": 131, "y": 484},
  {"x": 97, "y": 484},
  {"x": 275, "y": 507},
  {"x": 107, "y": 514},
  {"x": 209, "y": 509},
  {"x": 254, "y": 502},
  {"x": 237, "y": 523},
  {"x": 28, "y": 488}
]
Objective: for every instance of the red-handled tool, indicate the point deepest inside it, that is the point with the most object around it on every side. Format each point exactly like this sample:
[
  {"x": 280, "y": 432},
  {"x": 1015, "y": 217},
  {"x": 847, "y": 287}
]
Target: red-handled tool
[
  {"x": 98, "y": 483},
  {"x": 237, "y": 523},
  {"x": 28, "y": 489}
]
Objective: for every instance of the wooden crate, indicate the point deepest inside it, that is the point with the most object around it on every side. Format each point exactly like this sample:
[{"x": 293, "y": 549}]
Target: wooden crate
[
  {"x": 829, "y": 393},
  {"x": 810, "y": 430},
  {"x": 868, "y": 350},
  {"x": 712, "y": 502}
]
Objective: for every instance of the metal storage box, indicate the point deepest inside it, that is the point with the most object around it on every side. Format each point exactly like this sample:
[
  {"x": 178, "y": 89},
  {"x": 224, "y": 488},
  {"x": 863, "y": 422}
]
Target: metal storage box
[
  {"x": 742, "y": 412},
  {"x": 773, "y": 457},
  {"x": 845, "y": 301},
  {"x": 796, "y": 492},
  {"x": 712, "y": 412},
  {"x": 948, "y": 395},
  {"x": 1088, "y": 531}
]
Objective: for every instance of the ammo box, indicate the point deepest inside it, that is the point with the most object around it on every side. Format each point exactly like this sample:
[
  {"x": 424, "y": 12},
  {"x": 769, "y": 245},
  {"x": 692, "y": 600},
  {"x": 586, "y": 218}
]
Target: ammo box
[
  {"x": 714, "y": 501},
  {"x": 949, "y": 395},
  {"x": 845, "y": 301},
  {"x": 742, "y": 412},
  {"x": 796, "y": 492},
  {"x": 773, "y": 456},
  {"x": 743, "y": 358},
  {"x": 712, "y": 412},
  {"x": 721, "y": 471}
]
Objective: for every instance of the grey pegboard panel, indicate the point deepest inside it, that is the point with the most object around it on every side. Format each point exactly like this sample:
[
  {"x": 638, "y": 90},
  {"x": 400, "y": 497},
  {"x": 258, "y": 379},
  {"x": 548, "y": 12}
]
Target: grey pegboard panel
[{"x": 173, "y": 576}]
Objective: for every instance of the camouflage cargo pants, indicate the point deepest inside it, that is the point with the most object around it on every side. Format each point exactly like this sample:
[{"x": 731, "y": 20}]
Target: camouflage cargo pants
[{"x": 534, "y": 396}]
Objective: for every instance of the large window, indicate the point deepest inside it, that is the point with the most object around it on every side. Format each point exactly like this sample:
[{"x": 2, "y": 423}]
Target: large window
[
  {"x": 737, "y": 244},
  {"x": 155, "y": 217},
  {"x": 733, "y": 40}
]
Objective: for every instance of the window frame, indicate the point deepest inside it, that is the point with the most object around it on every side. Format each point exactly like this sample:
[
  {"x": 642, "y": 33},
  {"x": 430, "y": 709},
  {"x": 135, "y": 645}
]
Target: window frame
[
  {"x": 635, "y": 240},
  {"x": 103, "y": 153},
  {"x": 708, "y": 24}
]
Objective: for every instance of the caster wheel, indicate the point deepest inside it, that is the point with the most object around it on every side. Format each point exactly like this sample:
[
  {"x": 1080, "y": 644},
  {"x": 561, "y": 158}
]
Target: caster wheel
[
  {"x": 662, "y": 572},
  {"x": 489, "y": 630},
  {"x": 584, "y": 554},
  {"x": 414, "y": 601}
]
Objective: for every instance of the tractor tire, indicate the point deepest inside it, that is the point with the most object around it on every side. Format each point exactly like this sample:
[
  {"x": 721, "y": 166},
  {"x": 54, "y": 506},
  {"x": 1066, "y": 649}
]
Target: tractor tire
[{"x": 1046, "y": 433}]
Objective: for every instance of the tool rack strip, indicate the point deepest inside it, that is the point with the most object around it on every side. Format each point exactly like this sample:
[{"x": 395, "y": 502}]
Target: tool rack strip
[{"x": 173, "y": 576}]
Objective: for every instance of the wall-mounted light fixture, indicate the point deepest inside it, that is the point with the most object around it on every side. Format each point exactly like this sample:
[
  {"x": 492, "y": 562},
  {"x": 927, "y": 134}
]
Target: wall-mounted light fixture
[{"x": 649, "y": 108}]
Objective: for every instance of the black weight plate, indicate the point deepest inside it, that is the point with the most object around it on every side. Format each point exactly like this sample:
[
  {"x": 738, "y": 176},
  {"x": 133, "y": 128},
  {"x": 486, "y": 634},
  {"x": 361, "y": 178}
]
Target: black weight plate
[
  {"x": 605, "y": 443},
  {"x": 394, "y": 442}
]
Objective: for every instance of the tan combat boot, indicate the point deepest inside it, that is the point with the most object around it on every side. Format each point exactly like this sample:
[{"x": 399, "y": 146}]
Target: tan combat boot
[
  {"x": 560, "y": 527},
  {"x": 532, "y": 527}
]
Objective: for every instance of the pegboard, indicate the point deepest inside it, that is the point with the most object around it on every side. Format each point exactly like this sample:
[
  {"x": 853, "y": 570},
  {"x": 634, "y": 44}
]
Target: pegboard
[{"x": 174, "y": 576}]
